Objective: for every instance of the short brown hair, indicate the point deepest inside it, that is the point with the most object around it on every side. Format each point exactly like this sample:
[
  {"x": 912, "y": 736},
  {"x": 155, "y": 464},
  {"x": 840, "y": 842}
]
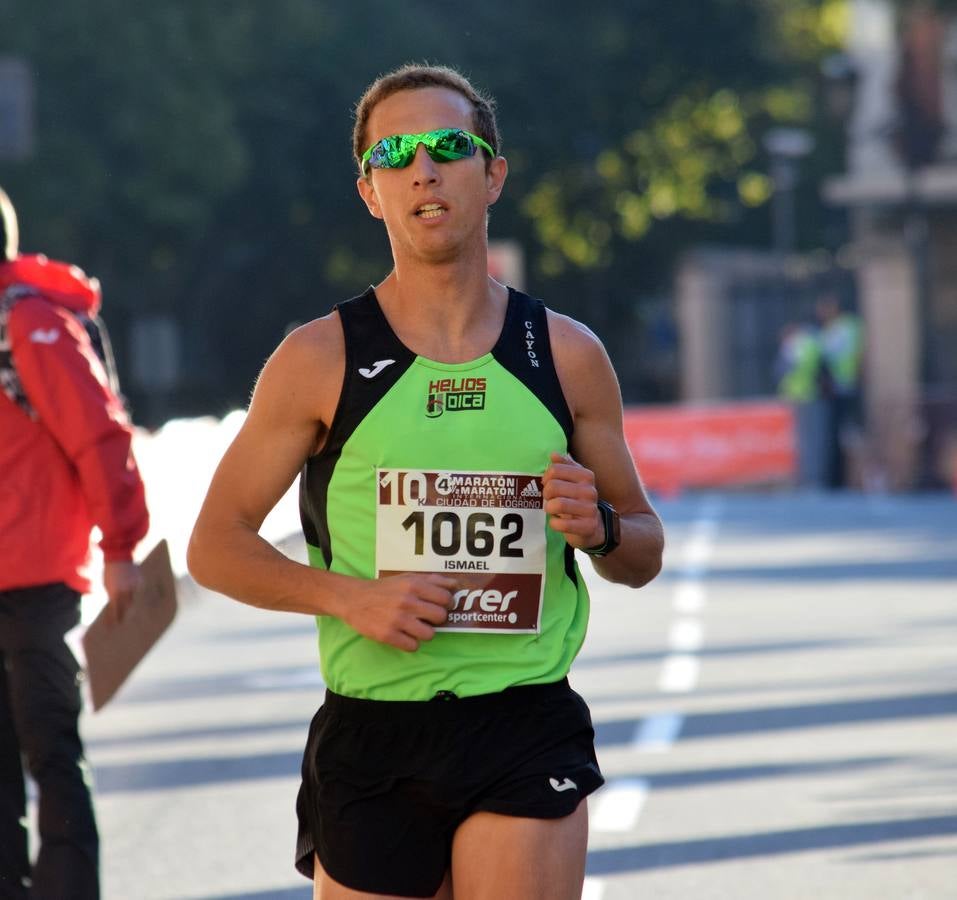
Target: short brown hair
[{"x": 412, "y": 77}]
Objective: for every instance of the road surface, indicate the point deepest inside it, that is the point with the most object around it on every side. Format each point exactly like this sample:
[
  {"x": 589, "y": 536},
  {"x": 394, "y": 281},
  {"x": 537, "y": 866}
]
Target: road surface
[{"x": 776, "y": 717}]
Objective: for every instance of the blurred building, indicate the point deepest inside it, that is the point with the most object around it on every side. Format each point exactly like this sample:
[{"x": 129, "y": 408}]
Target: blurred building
[
  {"x": 896, "y": 88},
  {"x": 899, "y": 76}
]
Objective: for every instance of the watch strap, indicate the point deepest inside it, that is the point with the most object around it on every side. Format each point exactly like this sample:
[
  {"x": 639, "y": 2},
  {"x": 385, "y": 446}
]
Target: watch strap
[{"x": 612, "y": 523}]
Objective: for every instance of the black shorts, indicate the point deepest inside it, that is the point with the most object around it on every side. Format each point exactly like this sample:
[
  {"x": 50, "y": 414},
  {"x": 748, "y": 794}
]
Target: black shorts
[{"x": 386, "y": 783}]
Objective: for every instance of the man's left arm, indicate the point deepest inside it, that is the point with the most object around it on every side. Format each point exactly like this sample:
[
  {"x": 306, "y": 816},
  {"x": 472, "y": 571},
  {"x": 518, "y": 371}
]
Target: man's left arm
[{"x": 600, "y": 465}]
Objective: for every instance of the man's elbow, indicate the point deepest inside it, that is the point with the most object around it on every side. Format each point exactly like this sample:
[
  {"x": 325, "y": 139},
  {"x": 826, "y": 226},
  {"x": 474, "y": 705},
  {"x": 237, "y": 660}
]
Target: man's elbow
[
  {"x": 198, "y": 560},
  {"x": 647, "y": 566},
  {"x": 648, "y": 573},
  {"x": 634, "y": 576}
]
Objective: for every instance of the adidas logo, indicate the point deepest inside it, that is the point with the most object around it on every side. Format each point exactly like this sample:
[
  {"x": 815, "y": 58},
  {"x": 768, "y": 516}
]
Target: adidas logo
[{"x": 531, "y": 490}]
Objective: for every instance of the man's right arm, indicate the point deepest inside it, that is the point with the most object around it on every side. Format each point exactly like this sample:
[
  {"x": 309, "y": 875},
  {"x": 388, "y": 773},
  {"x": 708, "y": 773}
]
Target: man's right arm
[{"x": 292, "y": 406}]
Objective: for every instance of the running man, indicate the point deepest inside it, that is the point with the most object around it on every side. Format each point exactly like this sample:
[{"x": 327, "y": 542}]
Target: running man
[{"x": 457, "y": 442}]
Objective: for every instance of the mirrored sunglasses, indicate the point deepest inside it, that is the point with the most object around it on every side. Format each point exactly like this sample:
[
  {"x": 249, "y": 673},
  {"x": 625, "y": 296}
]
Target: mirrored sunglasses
[{"x": 442, "y": 145}]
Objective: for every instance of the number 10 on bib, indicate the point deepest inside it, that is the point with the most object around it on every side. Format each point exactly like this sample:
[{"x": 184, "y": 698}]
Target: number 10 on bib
[{"x": 486, "y": 529}]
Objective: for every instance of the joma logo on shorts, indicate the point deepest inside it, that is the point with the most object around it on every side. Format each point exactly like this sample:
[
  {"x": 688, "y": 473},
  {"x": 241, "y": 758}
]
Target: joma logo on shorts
[{"x": 489, "y": 600}]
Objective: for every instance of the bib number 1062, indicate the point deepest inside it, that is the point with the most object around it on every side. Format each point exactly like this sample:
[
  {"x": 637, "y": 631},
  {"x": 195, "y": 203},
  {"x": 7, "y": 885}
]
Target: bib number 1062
[{"x": 481, "y": 532}]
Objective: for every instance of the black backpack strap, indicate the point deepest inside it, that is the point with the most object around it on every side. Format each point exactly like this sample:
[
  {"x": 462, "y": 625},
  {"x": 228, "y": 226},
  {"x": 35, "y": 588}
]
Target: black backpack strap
[
  {"x": 100, "y": 339},
  {"x": 10, "y": 382}
]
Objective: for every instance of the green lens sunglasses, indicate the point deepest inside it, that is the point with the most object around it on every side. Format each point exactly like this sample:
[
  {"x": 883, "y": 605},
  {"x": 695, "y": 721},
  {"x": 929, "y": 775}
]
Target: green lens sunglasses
[{"x": 442, "y": 145}]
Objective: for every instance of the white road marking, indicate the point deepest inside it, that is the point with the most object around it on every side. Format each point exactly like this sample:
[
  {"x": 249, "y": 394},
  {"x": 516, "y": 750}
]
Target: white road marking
[
  {"x": 679, "y": 673},
  {"x": 618, "y": 804},
  {"x": 696, "y": 556},
  {"x": 686, "y": 635},
  {"x": 302, "y": 678},
  {"x": 689, "y": 596},
  {"x": 657, "y": 733}
]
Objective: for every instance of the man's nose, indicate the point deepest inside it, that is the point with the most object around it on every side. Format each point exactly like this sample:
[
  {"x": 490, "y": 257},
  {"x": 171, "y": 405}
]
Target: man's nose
[{"x": 423, "y": 166}]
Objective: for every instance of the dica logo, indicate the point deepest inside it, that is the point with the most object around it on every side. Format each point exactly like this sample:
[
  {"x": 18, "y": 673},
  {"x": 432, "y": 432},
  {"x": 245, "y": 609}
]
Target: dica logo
[{"x": 454, "y": 395}]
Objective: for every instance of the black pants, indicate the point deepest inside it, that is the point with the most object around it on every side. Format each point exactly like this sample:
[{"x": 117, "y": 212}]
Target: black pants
[
  {"x": 39, "y": 709},
  {"x": 843, "y": 415}
]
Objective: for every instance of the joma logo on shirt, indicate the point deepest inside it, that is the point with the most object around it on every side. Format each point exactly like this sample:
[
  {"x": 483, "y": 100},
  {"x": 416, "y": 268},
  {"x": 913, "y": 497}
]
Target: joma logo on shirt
[{"x": 454, "y": 395}]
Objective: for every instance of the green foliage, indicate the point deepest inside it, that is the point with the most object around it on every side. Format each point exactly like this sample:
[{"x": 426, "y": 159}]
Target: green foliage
[
  {"x": 696, "y": 154},
  {"x": 196, "y": 155}
]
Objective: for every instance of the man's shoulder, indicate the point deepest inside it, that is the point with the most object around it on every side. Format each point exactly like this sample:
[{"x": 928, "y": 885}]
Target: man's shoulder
[
  {"x": 31, "y": 314},
  {"x": 310, "y": 352},
  {"x": 571, "y": 334},
  {"x": 323, "y": 334}
]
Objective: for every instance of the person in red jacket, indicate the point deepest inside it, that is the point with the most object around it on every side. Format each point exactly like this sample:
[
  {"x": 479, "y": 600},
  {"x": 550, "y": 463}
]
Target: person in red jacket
[{"x": 65, "y": 466}]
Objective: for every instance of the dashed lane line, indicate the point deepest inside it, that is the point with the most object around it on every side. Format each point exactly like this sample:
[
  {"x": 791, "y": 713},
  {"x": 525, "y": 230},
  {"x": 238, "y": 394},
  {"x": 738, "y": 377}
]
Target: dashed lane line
[
  {"x": 679, "y": 673},
  {"x": 686, "y": 635},
  {"x": 656, "y": 734},
  {"x": 689, "y": 597},
  {"x": 619, "y": 804}
]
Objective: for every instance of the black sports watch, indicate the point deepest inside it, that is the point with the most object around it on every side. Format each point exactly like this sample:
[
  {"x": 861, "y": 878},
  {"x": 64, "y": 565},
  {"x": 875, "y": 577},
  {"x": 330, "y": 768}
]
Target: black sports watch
[{"x": 612, "y": 522}]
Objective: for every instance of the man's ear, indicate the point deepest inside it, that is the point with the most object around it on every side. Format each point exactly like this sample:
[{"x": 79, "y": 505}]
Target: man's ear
[
  {"x": 368, "y": 195},
  {"x": 495, "y": 178}
]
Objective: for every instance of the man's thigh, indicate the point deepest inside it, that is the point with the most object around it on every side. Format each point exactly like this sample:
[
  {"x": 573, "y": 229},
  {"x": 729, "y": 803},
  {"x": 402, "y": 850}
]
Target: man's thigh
[
  {"x": 496, "y": 857},
  {"x": 324, "y": 888}
]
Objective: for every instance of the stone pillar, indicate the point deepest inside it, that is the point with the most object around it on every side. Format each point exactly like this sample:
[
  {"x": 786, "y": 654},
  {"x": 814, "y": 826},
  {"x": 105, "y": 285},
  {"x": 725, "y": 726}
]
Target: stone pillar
[
  {"x": 701, "y": 312},
  {"x": 886, "y": 282}
]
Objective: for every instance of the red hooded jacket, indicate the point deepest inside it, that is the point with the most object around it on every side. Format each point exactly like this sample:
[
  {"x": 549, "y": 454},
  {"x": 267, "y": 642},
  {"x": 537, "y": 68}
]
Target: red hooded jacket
[{"x": 72, "y": 467}]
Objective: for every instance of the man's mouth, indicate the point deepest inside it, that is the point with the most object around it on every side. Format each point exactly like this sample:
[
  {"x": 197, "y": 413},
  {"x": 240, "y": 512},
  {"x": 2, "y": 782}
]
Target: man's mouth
[{"x": 430, "y": 211}]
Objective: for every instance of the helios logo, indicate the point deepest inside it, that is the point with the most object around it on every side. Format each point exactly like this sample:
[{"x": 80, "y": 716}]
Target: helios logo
[{"x": 454, "y": 395}]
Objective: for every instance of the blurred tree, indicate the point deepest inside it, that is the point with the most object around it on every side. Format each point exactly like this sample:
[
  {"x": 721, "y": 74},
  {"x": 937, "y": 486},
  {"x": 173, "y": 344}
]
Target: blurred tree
[{"x": 196, "y": 156}]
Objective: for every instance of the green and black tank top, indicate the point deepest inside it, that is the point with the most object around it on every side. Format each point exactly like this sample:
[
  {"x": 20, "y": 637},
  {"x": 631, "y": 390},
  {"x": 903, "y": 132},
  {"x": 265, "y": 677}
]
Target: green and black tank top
[{"x": 437, "y": 467}]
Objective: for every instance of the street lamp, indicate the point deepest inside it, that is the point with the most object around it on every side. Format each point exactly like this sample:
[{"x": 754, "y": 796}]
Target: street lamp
[{"x": 785, "y": 146}]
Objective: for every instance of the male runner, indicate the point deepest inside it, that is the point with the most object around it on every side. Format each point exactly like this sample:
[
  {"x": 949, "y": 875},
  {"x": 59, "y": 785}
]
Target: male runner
[{"x": 456, "y": 442}]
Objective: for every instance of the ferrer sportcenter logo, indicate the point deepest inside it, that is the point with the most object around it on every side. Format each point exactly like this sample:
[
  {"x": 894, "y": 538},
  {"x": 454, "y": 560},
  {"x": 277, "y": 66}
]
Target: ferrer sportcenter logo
[{"x": 454, "y": 395}]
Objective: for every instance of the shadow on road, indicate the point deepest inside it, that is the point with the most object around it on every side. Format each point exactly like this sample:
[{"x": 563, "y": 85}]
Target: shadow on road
[
  {"x": 186, "y": 772},
  {"x": 780, "y": 718},
  {"x": 744, "y": 846}
]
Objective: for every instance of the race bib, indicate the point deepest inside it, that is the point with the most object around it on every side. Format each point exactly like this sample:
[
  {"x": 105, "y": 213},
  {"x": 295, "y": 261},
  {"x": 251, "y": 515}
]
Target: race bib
[{"x": 486, "y": 529}]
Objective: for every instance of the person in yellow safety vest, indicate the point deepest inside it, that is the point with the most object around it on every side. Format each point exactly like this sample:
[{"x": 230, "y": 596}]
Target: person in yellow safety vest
[
  {"x": 799, "y": 364},
  {"x": 842, "y": 348},
  {"x": 797, "y": 370}
]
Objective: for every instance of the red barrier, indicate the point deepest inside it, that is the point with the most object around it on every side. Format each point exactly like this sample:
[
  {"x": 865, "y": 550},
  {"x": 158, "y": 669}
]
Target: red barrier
[{"x": 732, "y": 444}]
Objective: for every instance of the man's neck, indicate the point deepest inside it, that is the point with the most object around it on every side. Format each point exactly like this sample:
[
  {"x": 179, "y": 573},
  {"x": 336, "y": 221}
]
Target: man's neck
[{"x": 448, "y": 312}]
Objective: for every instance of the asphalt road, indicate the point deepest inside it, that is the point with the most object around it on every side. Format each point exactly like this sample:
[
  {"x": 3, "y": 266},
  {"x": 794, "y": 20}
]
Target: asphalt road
[{"x": 776, "y": 717}]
